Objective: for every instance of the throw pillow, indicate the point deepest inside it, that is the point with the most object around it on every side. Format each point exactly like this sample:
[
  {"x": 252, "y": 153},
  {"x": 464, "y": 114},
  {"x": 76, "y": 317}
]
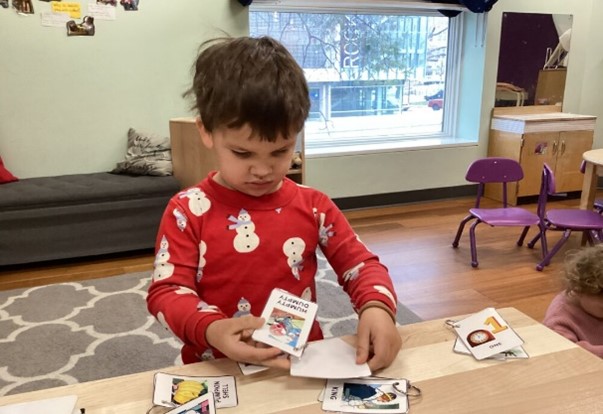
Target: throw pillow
[
  {"x": 5, "y": 175},
  {"x": 147, "y": 154}
]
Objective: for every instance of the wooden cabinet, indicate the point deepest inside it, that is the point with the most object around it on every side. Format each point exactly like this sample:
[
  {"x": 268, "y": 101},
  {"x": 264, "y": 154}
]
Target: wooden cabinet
[
  {"x": 192, "y": 162},
  {"x": 556, "y": 138}
]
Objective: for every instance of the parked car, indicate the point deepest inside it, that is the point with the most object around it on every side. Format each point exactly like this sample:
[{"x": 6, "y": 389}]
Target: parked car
[
  {"x": 436, "y": 104},
  {"x": 438, "y": 95}
]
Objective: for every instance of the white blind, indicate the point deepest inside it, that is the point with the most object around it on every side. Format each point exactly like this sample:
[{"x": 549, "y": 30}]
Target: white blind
[{"x": 382, "y": 6}]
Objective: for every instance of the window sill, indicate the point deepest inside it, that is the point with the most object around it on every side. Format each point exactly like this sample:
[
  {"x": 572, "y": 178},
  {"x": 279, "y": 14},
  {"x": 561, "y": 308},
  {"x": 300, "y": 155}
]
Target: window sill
[{"x": 388, "y": 147}]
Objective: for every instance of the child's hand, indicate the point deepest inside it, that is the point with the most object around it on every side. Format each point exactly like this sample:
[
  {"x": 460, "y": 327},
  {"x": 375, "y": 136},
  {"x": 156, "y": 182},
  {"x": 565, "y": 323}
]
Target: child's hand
[
  {"x": 377, "y": 333},
  {"x": 232, "y": 337}
]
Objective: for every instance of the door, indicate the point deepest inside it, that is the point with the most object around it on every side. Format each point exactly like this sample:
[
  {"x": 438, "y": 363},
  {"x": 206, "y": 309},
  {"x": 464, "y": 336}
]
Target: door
[
  {"x": 572, "y": 144},
  {"x": 537, "y": 148}
]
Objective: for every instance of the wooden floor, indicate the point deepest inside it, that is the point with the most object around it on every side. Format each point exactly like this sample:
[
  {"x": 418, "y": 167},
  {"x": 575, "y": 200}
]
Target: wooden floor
[{"x": 414, "y": 242}]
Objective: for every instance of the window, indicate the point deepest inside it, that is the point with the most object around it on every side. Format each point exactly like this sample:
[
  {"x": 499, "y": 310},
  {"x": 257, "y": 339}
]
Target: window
[{"x": 378, "y": 76}]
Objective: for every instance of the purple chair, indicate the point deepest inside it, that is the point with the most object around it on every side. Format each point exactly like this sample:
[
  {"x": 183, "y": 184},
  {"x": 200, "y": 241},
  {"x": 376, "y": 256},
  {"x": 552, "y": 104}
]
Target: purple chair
[
  {"x": 566, "y": 220},
  {"x": 494, "y": 170}
]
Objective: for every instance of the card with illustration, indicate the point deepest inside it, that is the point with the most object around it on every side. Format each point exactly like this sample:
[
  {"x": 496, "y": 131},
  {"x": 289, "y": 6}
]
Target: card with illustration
[
  {"x": 175, "y": 390},
  {"x": 514, "y": 353},
  {"x": 371, "y": 395},
  {"x": 486, "y": 334},
  {"x": 289, "y": 320},
  {"x": 200, "y": 405}
]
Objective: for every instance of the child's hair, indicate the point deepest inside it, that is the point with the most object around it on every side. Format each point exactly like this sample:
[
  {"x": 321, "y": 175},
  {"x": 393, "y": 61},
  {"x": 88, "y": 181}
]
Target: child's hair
[
  {"x": 252, "y": 81},
  {"x": 584, "y": 271}
]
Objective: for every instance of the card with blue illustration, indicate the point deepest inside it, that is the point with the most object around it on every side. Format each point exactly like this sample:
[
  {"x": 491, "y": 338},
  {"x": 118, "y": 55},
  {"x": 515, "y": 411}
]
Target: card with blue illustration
[
  {"x": 288, "y": 322},
  {"x": 366, "y": 395}
]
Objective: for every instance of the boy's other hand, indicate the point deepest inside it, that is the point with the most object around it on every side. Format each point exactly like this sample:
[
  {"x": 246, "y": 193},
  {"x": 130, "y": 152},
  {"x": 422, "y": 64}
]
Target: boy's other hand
[
  {"x": 378, "y": 339},
  {"x": 232, "y": 337}
]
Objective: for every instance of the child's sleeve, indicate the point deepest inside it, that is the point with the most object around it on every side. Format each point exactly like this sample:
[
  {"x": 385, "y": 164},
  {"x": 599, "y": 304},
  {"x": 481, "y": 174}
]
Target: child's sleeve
[
  {"x": 363, "y": 277},
  {"x": 172, "y": 296}
]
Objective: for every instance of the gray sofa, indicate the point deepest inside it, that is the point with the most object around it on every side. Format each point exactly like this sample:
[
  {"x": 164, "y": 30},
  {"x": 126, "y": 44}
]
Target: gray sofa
[{"x": 69, "y": 216}]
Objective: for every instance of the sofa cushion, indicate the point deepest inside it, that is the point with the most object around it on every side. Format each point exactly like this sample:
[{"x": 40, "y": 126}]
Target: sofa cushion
[{"x": 77, "y": 189}]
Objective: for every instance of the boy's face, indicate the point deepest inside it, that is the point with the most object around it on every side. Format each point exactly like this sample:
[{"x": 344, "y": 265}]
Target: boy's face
[{"x": 245, "y": 163}]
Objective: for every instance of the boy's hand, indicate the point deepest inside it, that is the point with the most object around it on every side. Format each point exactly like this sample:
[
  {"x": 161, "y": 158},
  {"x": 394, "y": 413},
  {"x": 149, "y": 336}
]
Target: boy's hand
[
  {"x": 377, "y": 333},
  {"x": 232, "y": 337}
]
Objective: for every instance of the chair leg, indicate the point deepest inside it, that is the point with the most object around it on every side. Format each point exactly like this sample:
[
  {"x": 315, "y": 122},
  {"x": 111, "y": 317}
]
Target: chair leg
[
  {"x": 474, "y": 262},
  {"x": 459, "y": 232},
  {"x": 533, "y": 242},
  {"x": 547, "y": 259},
  {"x": 523, "y": 235}
]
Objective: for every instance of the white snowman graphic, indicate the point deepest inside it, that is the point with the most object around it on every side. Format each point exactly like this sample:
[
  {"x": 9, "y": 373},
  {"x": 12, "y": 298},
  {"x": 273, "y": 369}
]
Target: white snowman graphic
[
  {"x": 293, "y": 249},
  {"x": 163, "y": 267},
  {"x": 198, "y": 203},
  {"x": 202, "y": 261},
  {"x": 180, "y": 219},
  {"x": 385, "y": 291},
  {"x": 246, "y": 239},
  {"x": 307, "y": 294},
  {"x": 352, "y": 273},
  {"x": 324, "y": 232},
  {"x": 244, "y": 308}
]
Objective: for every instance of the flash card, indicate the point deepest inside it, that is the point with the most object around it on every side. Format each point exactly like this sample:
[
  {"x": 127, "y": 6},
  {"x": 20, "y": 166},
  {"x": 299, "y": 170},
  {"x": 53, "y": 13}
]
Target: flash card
[
  {"x": 288, "y": 323},
  {"x": 514, "y": 353},
  {"x": 248, "y": 369},
  {"x": 374, "y": 395},
  {"x": 486, "y": 333},
  {"x": 330, "y": 358},
  {"x": 200, "y": 405},
  {"x": 171, "y": 390}
]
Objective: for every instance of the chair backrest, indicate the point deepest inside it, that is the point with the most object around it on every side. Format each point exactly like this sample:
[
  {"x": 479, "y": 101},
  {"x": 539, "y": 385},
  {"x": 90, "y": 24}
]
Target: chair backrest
[
  {"x": 493, "y": 170},
  {"x": 547, "y": 187}
]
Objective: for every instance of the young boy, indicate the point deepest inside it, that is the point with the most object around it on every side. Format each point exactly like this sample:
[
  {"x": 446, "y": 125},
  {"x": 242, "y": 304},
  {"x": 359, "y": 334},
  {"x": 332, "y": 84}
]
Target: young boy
[{"x": 224, "y": 244}]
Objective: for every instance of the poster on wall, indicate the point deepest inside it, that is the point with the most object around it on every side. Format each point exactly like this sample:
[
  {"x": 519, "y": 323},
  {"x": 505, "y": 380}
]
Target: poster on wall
[
  {"x": 85, "y": 28},
  {"x": 23, "y": 6},
  {"x": 101, "y": 11},
  {"x": 129, "y": 5}
]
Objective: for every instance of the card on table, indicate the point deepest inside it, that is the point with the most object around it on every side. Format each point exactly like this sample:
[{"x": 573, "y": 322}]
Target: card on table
[
  {"x": 289, "y": 320},
  {"x": 370, "y": 395},
  {"x": 248, "y": 369},
  {"x": 200, "y": 405},
  {"x": 486, "y": 333},
  {"x": 57, "y": 405},
  {"x": 330, "y": 358},
  {"x": 514, "y": 353},
  {"x": 171, "y": 390}
]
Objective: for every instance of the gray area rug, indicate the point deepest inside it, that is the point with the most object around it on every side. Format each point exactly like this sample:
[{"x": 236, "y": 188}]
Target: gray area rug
[{"x": 82, "y": 331}]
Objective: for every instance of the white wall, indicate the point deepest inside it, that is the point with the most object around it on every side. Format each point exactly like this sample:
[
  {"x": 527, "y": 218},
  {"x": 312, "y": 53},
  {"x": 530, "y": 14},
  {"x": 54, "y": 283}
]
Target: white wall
[{"x": 66, "y": 103}]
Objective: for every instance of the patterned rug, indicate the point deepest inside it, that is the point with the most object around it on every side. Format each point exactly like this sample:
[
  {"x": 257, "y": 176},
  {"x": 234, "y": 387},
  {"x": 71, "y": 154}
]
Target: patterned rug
[{"x": 75, "y": 332}]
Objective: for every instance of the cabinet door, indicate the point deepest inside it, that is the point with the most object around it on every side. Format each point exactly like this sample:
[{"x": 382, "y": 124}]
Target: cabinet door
[
  {"x": 537, "y": 148},
  {"x": 572, "y": 144}
]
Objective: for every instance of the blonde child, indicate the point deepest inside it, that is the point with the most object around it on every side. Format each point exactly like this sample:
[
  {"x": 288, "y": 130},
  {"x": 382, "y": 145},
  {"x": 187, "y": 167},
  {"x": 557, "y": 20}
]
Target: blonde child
[
  {"x": 224, "y": 244},
  {"x": 577, "y": 312}
]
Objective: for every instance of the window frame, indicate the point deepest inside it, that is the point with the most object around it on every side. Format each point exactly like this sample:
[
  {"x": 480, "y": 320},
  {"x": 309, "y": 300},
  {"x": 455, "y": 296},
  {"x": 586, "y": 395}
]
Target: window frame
[{"x": 446, "y": 137}]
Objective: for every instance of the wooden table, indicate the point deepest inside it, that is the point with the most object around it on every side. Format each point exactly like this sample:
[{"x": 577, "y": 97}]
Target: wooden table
[
  {"x": 558, "y": 377},
  {"x": 594, "y": 159}
]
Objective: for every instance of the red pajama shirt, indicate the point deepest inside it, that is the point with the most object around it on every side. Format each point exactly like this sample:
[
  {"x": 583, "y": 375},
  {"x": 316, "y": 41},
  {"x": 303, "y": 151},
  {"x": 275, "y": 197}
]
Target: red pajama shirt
[{"x": 220, "y": 253}]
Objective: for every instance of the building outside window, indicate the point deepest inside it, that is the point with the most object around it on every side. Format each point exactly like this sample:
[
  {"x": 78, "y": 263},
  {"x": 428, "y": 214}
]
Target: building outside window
[{"x": 376, "y": 79}]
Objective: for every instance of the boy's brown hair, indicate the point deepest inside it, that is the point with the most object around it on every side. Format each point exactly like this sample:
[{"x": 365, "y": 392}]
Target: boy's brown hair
[
  {"x": 253, "y": 81},
  {"x": 584, "y": 271}
]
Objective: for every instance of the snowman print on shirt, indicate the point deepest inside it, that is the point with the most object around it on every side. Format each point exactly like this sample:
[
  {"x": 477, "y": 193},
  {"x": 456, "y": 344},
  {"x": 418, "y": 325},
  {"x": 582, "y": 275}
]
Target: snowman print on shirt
[
  {"x": 246, "y": 239},
  {"x": 198, "y": 203},
  {"x": 163, "y": 267},
  {"x": 180, "y": 219},
  {"x": 293, "y": 248},
  {"x": 202, "y": 261},
  {"x": 244, "y": 308}
]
